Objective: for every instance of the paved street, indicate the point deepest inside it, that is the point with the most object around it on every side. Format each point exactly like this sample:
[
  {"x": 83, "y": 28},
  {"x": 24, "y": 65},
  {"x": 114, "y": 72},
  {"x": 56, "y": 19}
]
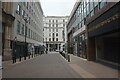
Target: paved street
[
  {"x": 44, "y": 66},
  {"x": 53, "y": 65}
]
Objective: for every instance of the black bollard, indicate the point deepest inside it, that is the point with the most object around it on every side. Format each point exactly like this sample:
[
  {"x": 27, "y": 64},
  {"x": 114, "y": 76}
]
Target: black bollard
[
  {"x": 68, "y": 58},
  {"x": 20, "y": 58}
]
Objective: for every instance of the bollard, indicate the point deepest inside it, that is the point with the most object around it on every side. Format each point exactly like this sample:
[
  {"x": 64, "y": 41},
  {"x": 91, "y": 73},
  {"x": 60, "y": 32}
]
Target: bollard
[
  {"x": 29, "y": 56},
  {"x": 68, "y": 58},
  {"x": 20, "y": 58}
]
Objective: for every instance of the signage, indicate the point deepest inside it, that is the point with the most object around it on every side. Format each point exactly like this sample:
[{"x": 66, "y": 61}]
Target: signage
[{"x": 104, "y": 23}]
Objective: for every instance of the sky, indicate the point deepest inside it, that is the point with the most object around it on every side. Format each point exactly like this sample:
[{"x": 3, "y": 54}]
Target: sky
[{"x": 57, "y": 7}]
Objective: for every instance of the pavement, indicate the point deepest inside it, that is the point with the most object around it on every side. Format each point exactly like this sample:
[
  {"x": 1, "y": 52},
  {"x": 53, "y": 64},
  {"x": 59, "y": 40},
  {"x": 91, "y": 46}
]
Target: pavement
[{"x": 53, "y": 65}]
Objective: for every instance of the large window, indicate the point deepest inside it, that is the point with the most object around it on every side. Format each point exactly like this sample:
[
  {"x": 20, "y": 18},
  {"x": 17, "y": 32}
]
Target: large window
[
  {"x": 18, "y": 27},
  {"x": 22, "y": 29},
  {"x": 56, "y": 34},
  {"x": 56, "y": 39},
  {"x": 18, "y": 9},
  {"x": 23, "y": 13}
]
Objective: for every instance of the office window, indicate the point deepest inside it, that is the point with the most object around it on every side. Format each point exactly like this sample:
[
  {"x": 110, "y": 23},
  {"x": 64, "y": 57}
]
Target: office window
[
  {"x": 18, "y": 9},
  {"x": 53, "y": 35},
  {"x": 49, "y": 25},
  {"x": 53, "y": 25},
  {"x": 102, "y": 4},
  {"x": 56, "y": 39},
  {"x": 56, "y": 30},
  {"x": 49, "y": 21},
  {"x": 49, "y": 34},
  {"x": 53, "y": 39},
  {"x": 56, "y": 34},
  {"x": 56, "y": 21},
  {"x": 53, "y": 21},
  {"x": 56, "y": 25},
  {"x": 18, "y": 27},
  {"x": 29, "y": 33},
  {"x": 49, "y": 30},
  {"x": 22, "y": 29},
  {"x": 23, "y": 13},
  {"x": 49, "y": 39},
  {"x": 63, "y": 20}
]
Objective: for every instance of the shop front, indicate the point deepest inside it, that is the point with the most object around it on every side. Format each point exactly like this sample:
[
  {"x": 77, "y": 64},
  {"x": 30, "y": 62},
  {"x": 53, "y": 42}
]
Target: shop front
[{"x": 103, "y": 37}]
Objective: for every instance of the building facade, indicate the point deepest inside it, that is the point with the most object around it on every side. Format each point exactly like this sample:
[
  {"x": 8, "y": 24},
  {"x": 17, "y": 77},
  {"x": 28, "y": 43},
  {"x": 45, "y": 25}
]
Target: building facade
[
  {"x": 27, "y": 29},
  {"x": 7, "y": 25},
  {"x": 97, "y": 25},
  {"x": 55, "y": 32}
]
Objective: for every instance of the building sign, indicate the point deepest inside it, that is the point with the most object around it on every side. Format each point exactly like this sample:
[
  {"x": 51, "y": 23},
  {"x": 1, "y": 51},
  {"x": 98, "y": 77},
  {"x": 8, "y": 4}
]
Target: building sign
[{"x": 104, "y": 22}]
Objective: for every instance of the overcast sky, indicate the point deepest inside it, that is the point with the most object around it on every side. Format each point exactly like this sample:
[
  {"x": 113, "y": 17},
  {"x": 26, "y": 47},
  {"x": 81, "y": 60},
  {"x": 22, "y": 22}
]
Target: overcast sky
[{"x": 57, "y": 7}]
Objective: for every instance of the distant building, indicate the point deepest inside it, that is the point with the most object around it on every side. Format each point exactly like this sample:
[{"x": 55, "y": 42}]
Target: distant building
[
  {"x": 55, "y": 32},
  {"x": 21, "y": 31}
]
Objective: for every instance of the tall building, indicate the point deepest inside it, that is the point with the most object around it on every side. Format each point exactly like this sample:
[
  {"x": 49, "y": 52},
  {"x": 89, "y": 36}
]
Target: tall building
[
  {"x": 55, "y": 32},
  {"x": 26, "y": 33},
  {"x": 93, "y": 30}
]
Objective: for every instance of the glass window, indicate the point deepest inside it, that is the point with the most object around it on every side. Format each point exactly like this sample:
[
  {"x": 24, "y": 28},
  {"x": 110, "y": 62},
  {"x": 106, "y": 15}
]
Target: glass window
[
  {"x": 56, "y": 39},
  {"x": 56, "y": 34},
  {"x": 23, "y": 13},
  {"x": 22, "y": 29},
  {"x": 49, "y": 34},
  {"x": 102, "y": 4},
  {"x": 53, "y": 39},
  {"x": 56, "y": 25},
  {"x": 18, "y": 27},
  {"x": 49, "y": 25},
  {"x": 49, "y": 39},
  {"x": 56, "y": 30},
  {"x": 91, "y": 6},
  {"x": 18, "y": 9},
  {"x": 49, "y": 30}
]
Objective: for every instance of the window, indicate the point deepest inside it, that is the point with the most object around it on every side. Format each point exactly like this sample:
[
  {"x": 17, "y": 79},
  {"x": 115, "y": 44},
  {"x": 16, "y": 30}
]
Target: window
[
  {"x": 53, "y": 34},
  {"x": 63, "y": 20},
  {"x": 53, "y": 39},
  {"x": 53, "y": 25},
  {"x": 49, "y": 34},
  {"x": 49, "y": 25},
  {"x": 23, "y": 13},
  {"x": 56, "y": 39},
  {"x": 53, "y": 21},
  {"x": 49, "y": 39},
  {"x": 56, "y": 30},
  {"x": 49, "y": 30},
  {"x": 56, "y": 25},
  {"x": 56, "y": 34},
  {"x": 56, "y": 21},
  {"x": 18, "y": 27},
  {"x": 29, "y": 33},
  {"x": 22, "y": 29},
  {"x": 18, "y": 9},
  {"x": 49, "y": 21}
]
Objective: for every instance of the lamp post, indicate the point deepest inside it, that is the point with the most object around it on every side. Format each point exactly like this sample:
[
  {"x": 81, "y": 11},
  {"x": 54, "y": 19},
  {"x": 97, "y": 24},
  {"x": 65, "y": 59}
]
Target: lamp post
[
  {"x": 26, "y": 20},
  {"x": 14, "y": 50}
]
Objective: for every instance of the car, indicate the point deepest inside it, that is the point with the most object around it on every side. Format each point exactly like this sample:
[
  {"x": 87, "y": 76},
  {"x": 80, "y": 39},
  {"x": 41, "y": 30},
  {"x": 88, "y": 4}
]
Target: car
[{"x": 57, "y": 50}]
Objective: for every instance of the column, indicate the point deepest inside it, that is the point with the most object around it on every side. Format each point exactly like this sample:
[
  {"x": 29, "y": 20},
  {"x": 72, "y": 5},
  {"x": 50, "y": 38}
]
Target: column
[{"x": 91, "y": 54}]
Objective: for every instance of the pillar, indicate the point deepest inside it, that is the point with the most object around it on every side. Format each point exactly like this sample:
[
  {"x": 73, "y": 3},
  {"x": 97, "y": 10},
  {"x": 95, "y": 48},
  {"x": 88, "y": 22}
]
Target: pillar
[{"x": 91, "y": 52}]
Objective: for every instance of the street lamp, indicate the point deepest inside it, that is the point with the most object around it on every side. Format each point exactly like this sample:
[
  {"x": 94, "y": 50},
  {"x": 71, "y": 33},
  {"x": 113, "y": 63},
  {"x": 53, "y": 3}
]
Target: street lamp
[
  {"x": 26, "y": 21},
  {"x": 14, "y": 50}
]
